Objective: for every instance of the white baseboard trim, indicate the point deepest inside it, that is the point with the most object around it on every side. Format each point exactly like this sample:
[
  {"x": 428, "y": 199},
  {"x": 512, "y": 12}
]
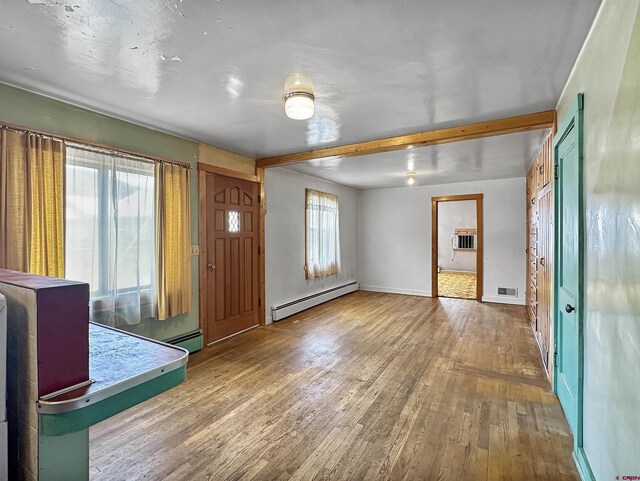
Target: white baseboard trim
[
  {"x": 504, "y": 300},
  {"x": 393, "y": 290},
  {"x": 293, "y": 307}
]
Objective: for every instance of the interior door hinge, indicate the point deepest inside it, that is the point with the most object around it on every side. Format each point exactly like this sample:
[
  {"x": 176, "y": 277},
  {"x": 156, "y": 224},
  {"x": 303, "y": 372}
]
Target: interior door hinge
[
  {"x": 259, "y": 199},
  {"x": 555, "y": 358},
  {"x": 259, "y": 250},
  {"x": 259, "y": 302},
  {"x": 555, "y": 171}
]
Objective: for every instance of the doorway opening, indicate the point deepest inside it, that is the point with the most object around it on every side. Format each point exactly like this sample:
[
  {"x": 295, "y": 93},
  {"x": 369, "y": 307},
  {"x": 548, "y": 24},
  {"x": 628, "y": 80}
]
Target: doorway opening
[{"x": 457, "y": 246}]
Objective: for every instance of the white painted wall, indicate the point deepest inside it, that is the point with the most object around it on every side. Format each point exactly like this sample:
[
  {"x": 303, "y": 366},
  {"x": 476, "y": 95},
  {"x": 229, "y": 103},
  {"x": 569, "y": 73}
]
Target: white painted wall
[
  {"x": 394, "y": 237},
  {"x": 284, "y": 236},
  {"x": 608, "y": 72},
  {"x": 459, "y": 214},
  {"x": 393, "y": 240}
]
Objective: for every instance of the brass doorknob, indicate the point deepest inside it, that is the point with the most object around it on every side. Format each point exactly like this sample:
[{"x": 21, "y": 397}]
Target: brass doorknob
[{"x": 210, "y": 266}]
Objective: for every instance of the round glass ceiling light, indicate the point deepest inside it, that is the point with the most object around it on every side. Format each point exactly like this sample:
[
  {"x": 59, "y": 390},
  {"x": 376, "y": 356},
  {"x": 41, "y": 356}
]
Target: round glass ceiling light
[
  {"x": 411, "y": 178},
  {"x": 299, "y": 105}
]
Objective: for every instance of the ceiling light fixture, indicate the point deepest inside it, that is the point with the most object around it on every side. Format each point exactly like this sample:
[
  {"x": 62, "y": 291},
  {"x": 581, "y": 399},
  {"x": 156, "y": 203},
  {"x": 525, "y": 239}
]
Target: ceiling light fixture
[
  {"x": 411, "y": 161},
  {"x": 299, "y": 105},
  {"x": 299, "y": 100},
  {"x": 411, "y": 178}
]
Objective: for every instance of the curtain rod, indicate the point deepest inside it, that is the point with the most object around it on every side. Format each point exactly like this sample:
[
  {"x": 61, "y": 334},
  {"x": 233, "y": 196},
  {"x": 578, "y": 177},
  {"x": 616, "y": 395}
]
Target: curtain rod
[
  {"x": 94, "y": 145},
  {"x": 124, "y": 155}
]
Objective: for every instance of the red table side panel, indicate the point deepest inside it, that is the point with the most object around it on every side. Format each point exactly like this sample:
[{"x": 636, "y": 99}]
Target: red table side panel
[
  {"x": 62, "y": 328},
  {"x": 33, "y": 281},
  {"x": 63, "y": 337}
]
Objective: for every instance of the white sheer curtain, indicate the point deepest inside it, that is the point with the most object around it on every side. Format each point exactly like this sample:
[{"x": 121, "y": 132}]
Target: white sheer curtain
[
  {"x": 109, "y": 233},
  {"x": 322, "y": 234}
]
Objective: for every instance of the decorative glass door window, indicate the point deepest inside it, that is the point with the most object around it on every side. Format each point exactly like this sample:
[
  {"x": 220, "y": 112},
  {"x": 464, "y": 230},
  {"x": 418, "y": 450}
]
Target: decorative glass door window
[{"x": 233, "y": 221}]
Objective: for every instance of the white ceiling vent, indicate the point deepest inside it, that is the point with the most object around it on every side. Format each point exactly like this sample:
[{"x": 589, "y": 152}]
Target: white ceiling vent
[{"x": 508, "y": 291}]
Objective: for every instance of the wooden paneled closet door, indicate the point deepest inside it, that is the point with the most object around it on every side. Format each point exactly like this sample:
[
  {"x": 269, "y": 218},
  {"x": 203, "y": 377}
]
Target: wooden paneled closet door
[
  {"x": 232, "y": 256},
  {"x": 545, "y": 272},
  {"x": 532, "y": 252},
  {"x": 540, "y": 247}
]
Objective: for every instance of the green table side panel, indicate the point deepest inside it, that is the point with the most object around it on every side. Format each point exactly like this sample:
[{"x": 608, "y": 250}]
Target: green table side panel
[
  {"x": 192, "y": 345},
  {"x": 64, "y": 458},
  {"x": 72, "y": 421}
]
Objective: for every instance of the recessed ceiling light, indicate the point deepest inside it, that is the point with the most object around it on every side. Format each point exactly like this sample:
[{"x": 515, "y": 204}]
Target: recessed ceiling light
[
  {"x": 299, "y": 100},
  {"x": 411, "y": 177}
]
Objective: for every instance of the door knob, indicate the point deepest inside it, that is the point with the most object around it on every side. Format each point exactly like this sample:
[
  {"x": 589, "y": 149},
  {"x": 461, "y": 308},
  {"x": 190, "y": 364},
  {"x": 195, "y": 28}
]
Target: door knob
[
  {"x": 210, "y": 266},
  {"x": 569, "y": 308}
]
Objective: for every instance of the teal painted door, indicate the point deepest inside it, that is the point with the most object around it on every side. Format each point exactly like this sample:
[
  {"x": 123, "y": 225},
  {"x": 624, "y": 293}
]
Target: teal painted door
[{"x": 568, "y": 275}]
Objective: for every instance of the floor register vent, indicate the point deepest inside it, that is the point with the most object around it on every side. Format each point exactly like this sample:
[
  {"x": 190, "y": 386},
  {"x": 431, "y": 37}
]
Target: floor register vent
[{"x": 508, "y": 291}]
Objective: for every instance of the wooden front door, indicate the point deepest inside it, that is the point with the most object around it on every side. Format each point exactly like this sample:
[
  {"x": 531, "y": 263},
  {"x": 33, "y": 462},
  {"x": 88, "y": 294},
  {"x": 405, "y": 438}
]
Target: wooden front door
[{"x": 232, "y": 256}]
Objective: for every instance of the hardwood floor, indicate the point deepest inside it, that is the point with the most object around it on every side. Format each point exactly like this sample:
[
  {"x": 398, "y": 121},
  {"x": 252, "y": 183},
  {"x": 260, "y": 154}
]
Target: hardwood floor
[{"x": 369, "y": 386}]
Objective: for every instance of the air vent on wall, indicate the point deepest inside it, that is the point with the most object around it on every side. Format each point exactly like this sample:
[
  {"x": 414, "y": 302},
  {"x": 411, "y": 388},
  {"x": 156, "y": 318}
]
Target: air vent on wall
[{"x": 508, "y": 291}]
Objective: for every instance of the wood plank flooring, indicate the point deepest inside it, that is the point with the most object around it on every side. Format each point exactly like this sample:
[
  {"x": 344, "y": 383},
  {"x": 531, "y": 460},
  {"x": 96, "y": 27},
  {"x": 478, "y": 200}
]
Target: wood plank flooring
[{"x": 369, "y": 386}]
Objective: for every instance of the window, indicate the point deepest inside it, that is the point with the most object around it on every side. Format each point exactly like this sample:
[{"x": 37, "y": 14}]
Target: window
[
  {"x": 109, "y": 232},
  {"x": 322, "y": 234}
]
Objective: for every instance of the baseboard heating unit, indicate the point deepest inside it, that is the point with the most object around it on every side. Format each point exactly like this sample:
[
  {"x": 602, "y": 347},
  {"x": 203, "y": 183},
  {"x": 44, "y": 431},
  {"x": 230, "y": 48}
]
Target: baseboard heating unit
[{"x": 285, "y": 310}]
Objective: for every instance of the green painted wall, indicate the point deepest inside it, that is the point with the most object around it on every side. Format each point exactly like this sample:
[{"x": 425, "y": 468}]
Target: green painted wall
[
  {"x": 42, "y": 113},
  {"x": 608, "y": 72}
]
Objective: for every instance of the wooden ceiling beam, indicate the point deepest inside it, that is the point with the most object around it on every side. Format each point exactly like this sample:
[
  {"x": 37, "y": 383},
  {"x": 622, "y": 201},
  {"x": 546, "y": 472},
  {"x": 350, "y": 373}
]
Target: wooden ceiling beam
[{"x": 510, "y": 125}]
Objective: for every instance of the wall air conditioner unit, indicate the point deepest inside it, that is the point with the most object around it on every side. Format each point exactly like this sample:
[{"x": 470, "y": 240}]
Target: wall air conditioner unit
[{"x": 465, "y": 239}]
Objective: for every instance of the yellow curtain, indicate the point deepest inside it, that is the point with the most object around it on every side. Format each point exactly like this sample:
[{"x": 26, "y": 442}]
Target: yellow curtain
[
  {"x": 31, "y": 203},
  {"x": 173, "y": 240},
  {"x": 45, "y": 157}
]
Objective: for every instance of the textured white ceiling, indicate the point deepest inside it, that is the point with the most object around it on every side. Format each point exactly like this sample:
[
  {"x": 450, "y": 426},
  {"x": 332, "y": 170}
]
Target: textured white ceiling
[
  {"x": 503, "y": 157},
  {"x": 213, "y": 70}
]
